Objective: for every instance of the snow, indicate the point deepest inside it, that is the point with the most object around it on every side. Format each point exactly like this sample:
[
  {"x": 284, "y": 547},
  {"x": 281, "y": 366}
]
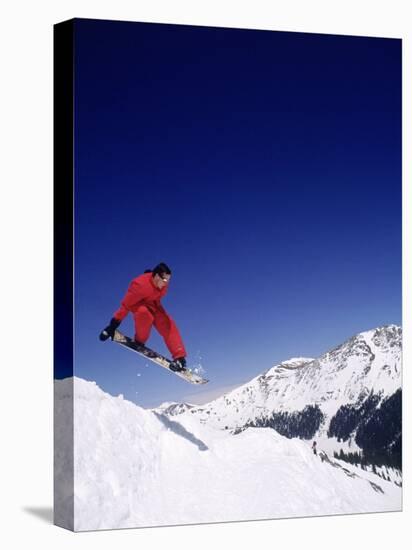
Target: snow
[
  {"x": 370, "y": 362},
  {"x": 135, "y": 467},
  {"x": 297, "y": 360}
]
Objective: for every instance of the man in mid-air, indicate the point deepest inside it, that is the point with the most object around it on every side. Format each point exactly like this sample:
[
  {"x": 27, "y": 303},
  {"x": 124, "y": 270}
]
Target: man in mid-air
[{"x": 142, "y": 299}]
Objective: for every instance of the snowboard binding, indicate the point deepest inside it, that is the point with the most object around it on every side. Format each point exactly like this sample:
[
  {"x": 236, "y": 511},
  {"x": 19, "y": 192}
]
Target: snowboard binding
[{"x": 178, "y": 365}]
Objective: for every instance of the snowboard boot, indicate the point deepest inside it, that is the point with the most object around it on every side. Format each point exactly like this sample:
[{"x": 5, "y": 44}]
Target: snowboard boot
[
  {"x": 139, "y": 344},
  {"x": 178, "y": 365}
]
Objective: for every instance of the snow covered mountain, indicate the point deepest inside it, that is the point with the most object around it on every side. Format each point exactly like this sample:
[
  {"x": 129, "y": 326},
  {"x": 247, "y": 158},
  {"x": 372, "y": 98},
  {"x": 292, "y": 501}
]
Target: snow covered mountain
[
  {"x": 336, "y": 395},
  {"x": 173, "y": 409},
  {"x": 124, "y": 466}
]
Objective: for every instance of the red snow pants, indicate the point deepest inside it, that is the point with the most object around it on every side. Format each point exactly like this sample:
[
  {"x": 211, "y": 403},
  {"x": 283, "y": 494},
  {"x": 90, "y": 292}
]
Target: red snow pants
[{"x": 144, "y": 319}]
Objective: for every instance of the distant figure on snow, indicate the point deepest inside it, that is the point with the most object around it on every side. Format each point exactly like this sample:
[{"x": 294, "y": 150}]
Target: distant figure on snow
[
  {"x": 142, "y": 299},
  {"x": 314, "y": 448}
]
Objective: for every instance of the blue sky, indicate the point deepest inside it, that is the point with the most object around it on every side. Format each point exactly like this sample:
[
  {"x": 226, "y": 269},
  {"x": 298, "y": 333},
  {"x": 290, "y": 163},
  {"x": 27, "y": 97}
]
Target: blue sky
[{"x": 263, "y": 167}]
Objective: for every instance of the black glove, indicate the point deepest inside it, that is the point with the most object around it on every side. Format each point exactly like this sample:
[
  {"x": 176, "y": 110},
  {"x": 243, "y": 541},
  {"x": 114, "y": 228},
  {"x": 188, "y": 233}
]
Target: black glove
[
  {"x": 179, "y": 364},
  {"x": 108, "y": 332}
]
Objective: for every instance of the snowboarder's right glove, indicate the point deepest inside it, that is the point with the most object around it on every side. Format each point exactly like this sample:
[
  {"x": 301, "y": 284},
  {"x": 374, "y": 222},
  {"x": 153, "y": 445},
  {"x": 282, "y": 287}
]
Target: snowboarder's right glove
[{"x": 108, "y": 332}]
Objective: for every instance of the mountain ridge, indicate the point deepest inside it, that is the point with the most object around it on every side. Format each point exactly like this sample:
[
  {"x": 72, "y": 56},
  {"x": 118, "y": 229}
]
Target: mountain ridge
[{"x": 303, "y": 397}]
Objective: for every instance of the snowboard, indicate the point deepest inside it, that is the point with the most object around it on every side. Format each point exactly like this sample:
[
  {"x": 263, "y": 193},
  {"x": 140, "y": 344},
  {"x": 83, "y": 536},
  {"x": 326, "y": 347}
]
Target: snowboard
[{"x": 129, "y": 343}]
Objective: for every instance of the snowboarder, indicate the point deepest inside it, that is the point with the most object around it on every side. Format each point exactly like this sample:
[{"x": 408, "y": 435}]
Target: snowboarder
[
  {"x": 315, "y": 452},
  {"x": 142, "y": 299}
]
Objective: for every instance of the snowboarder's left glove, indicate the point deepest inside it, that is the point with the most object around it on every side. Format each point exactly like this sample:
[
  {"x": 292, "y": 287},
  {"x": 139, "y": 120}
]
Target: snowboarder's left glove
[{"x": 108, "y": 332}]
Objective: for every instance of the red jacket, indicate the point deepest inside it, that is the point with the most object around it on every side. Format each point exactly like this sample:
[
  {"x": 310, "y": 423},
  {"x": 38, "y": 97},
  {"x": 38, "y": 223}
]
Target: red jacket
[{"x": 141, "y": 291}]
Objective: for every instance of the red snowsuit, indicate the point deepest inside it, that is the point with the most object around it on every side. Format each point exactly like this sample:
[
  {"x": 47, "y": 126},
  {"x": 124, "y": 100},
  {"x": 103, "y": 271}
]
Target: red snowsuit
[{"x": 142, "y": 299}]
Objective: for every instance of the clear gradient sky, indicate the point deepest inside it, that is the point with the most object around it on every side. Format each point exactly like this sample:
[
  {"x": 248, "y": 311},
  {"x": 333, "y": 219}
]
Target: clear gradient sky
[{"x": 263, "y": 167}]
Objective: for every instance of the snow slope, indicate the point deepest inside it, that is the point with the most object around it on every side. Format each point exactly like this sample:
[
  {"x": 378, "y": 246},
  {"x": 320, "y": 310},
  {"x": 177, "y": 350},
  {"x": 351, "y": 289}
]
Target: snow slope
[{"x": 135, "y": 467}]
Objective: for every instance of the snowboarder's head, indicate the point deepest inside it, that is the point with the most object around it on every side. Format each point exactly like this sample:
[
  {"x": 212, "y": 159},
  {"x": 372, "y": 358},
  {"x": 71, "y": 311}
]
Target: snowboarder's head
[{"x": 161, "y": 275}]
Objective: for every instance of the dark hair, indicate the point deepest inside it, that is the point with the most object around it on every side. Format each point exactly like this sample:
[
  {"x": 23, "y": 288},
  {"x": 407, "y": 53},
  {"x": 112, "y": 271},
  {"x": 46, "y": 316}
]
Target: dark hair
[{"x": 161, "y": 269}]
